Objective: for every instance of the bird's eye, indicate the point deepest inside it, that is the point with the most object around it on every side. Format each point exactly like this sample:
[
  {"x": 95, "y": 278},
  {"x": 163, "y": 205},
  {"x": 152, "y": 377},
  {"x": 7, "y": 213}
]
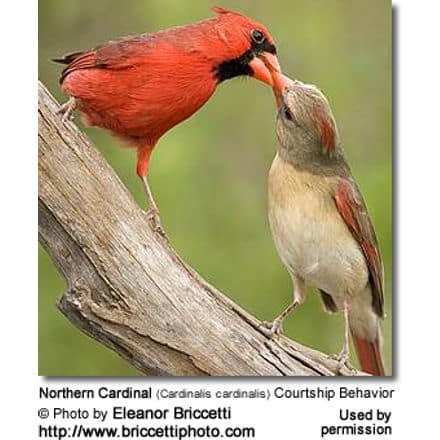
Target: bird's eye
[
  {"x": 258, "y": 36},
  {"x": 287, "y": 114}
]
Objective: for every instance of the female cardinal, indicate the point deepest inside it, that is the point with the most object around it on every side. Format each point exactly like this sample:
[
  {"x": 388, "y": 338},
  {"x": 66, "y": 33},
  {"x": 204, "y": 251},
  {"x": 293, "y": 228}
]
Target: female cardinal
[
  {"x": 320, "y": 224},
  {"x": 139, "y": 87}
]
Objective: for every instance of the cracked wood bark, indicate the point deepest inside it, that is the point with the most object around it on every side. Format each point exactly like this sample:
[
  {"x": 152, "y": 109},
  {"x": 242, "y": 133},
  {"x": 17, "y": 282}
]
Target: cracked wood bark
[{"x": 128, "y": 289}]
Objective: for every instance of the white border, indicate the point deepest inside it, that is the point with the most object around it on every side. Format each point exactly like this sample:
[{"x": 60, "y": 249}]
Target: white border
[{"x": 417, "y": 163}]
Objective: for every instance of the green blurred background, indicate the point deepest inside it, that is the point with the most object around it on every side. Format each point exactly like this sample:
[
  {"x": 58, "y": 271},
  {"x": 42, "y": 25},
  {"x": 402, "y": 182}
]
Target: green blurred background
[{"x": 209, "y": 174}]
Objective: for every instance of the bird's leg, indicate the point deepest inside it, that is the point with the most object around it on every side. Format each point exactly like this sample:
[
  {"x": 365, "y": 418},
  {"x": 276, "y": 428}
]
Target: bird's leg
[
  {"x": 142, "y": 165},
  {"x": 153, "y": 211},
  {"x": 344, "y": 356},
  {"x": 67, "y": 110},
  {"x": 275, "y": 328}
]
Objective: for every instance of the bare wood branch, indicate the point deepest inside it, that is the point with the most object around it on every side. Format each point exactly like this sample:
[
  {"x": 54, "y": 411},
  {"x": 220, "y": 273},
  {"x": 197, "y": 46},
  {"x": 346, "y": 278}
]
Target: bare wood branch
[{"x": 128, "y": 289}]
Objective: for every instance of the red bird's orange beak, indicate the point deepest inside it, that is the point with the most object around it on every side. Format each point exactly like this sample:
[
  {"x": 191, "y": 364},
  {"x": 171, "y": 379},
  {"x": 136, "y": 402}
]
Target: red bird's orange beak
[
  {"x": 264, "y": 66},
  {"x": 267, "y": 69}
]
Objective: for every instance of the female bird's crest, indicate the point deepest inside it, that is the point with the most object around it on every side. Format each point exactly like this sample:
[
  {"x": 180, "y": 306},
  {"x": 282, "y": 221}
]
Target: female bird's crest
[{"x": 308, "y": 106}]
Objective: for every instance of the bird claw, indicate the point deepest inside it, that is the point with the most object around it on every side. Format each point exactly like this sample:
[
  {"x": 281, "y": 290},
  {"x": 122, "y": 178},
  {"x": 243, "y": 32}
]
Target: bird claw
[
  {"x": 154, "y": 219},
  {"x": 67, "y": 110},
  {"x": 273, "y": 329}
]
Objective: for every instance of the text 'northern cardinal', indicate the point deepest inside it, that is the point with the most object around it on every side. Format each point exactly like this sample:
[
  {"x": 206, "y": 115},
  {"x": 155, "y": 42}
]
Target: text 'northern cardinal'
[
  {"x": 320, "y": 224},
  {"x": 140, "y": 87}
]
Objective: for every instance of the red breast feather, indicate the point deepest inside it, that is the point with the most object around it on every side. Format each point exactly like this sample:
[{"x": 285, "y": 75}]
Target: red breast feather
[{"x": 147, "y": 98}]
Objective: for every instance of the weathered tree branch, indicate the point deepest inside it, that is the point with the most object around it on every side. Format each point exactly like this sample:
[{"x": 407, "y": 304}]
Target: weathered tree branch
[{"x": 128, "y": 289}]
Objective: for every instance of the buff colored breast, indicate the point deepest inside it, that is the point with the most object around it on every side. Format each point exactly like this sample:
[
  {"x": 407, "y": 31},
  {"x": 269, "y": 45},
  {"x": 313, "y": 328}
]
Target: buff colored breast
[{"x": 311, "y": 238}]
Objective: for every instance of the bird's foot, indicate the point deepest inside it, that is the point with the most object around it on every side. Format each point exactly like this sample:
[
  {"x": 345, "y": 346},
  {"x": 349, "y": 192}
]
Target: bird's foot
[
  {"x": 67, "y": 110},
  {"x": 154, "y": 219},
  {"x": 343, "y": 359},
  {"x": 273, "y": 329}
]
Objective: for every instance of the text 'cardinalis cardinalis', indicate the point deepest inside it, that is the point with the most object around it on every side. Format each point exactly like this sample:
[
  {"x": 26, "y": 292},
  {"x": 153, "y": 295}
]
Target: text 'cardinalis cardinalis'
[
  {"x": 320, "y": 224},
  {"x": 140, "y": 87}
]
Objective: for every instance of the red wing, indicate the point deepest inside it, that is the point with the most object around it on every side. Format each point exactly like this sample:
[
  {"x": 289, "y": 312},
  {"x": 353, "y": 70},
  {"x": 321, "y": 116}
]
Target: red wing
[
  {"x": 116, "y": 55},
  {"x": 351, "y": 206}
]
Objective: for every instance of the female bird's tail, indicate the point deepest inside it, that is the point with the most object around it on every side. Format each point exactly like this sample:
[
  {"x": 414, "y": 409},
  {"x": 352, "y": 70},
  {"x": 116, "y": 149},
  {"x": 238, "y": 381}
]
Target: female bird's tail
[{"x": 369, "y": 354}]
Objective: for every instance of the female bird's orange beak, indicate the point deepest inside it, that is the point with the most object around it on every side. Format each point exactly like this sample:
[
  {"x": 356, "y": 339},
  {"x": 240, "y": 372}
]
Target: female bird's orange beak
[
  {"x": 280, "y": 84},
  {"x": 264, "y": 66}
]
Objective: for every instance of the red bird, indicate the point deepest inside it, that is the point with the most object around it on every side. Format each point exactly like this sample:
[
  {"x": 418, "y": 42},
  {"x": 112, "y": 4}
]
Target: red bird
[
  {"x": 141, "y": 86},
  {"x": 320, "y": 224}
]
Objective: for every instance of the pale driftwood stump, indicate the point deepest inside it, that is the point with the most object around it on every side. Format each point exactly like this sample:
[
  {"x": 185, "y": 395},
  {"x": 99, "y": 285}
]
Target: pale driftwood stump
[{"x": 128, "y": 289}]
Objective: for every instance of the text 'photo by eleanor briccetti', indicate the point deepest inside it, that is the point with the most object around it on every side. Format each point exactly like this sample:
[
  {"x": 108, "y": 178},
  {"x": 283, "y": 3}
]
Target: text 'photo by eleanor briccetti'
[{"x": 215, "y": 188}]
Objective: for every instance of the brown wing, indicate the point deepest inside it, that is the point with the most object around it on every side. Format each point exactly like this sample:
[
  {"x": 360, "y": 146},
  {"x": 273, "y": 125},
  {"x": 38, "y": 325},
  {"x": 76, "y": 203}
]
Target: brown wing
[
  {"x": 351, "y": 206},
  {"x": 115, "y": 55}
]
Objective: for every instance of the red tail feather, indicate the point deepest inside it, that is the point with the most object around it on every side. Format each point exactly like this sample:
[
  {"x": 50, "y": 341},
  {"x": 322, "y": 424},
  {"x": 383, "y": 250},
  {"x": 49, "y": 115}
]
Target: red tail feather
[{"x": 369, "y": 355}]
